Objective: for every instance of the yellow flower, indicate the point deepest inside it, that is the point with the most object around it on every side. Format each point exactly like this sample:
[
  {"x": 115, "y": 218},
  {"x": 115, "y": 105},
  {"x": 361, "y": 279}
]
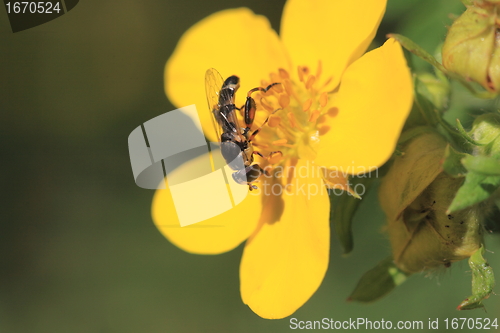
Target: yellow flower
[{"x": 341, "y": 110}]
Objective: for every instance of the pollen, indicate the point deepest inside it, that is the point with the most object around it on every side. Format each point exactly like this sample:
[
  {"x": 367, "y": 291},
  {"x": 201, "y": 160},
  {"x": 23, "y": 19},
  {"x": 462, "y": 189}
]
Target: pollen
[
  {"x": 275, "y": 157},
  {"x": 323, "y": 99},
  {"x": 284, "y": 101},
  {"x": 293, "y": 121},
  {"x": 314, "y": 116},
  {"x": 300, "y": 71},
  {"x": 323, "y": 130},
  {"x": 274, "y": 121},
  {"x": 310, "y": 81},
  {"x": 298, "y": 111},
  {"x": 332, "y": 112},
  {"x": 283, "y": 73},
  {"x": 280, "y": 142},
  {"x": 307, "y": 105},
  {"x": 288, "y": 87}
]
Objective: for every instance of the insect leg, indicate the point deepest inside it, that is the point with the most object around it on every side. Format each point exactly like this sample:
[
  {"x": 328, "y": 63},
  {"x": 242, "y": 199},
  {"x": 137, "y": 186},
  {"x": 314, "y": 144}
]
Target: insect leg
[
  {"x": 262, "y": 89},
  {"x": 250, "y": 106},
  {"x": 258, "y": 129},
  {"x": 272, "y": 155},
  {"x": 257, "y": 153}
]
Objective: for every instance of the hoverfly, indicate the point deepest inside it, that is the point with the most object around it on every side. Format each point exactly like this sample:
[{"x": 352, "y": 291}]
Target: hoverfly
[{"x": 234, "y": 140}]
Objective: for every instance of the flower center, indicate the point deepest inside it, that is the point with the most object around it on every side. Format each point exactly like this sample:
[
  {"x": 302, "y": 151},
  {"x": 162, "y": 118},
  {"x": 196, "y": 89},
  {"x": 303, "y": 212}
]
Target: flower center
[{"x": 297, "y": 112}]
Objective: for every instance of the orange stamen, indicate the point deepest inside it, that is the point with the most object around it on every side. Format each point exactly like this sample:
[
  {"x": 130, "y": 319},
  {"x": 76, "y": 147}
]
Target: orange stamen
[
  {"x": 260, "y": 145},
  {"x": 277, "y": 88},
  {"x": 310, "y": 82},
  {"x": 283, "y": 73},
  {"x": 274, "y": 121},
  {"x": 321, "y": 119},
  {"x": 307, "y": 105},
  {"x": 288, "y": 87},
  {"x": 275, "y": 78},
  {"x": 289, "y": 90},
  {"x": 314, "y": 116},
  {"x": 284, "y": 101},
  {"x": 323, "y": 99},
  {"x": 293, "y": 120},
  {"x": 332, "y": 112},
  {"x": 280, "y": 142},
  {"x": 275, "y": 158},
  {"x": 301, "y": 74},
  {"x": 319, "y": 70},
  {"x": 323, "y": 130}
]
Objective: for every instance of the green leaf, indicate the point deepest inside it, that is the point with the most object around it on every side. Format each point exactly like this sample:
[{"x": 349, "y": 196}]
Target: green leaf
[
  {"x": 476, "y": 188},
  {"x": 378, "y": 282},
  {"x": 487, "y": 165},
  {"x": 452, "y": 164},
  {"x": 483, "y": 281},
  {"x": 418, "y": 51},
  {"x": 342, "y": 210}
]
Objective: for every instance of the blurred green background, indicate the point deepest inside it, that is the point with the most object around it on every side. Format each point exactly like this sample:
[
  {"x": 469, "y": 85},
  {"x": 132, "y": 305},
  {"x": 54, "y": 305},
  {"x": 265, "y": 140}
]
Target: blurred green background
[{"x": 79, "y": 250}]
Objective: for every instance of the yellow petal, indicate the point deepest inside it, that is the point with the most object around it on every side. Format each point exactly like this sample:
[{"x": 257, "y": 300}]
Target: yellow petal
[
  {"x": 337, "y": 32},
  {"x": 235, "y": 42},
  {"x": 336, "y": 180},
  {"x": 286, "y": 259},
  {"x": 374, "y": 100},
  {"x": 215, "y": 235}
]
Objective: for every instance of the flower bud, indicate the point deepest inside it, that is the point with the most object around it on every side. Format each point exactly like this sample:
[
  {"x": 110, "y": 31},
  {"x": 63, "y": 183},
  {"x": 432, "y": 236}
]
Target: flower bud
[
  {"x": 472, "y": 46},
  {"x": 415, "y": 195},
  {"x": 486, "y": 131},
  {"x": 435, "y": 89}
]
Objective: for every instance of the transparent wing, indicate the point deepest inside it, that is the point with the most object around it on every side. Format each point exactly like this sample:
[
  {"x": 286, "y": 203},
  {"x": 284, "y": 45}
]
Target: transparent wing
[
  {"x": 229, "y": 118},
  {"x": 213, "y": 86}
]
